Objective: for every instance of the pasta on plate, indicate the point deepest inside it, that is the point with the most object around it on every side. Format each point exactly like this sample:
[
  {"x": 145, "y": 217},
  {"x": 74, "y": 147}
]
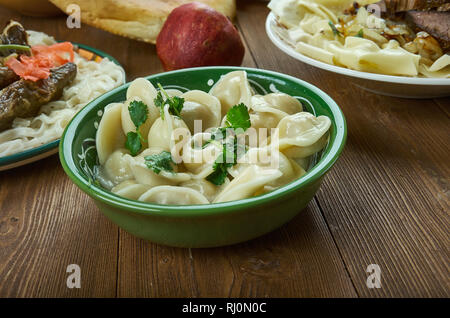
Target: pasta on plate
[
  {"x": 357, "y": 39},
  {"x": 167, "y": 147},
  {"x": 92, "y": 80}
]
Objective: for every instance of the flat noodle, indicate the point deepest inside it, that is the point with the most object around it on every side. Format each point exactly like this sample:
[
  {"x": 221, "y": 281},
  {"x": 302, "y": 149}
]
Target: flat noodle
[
  {"x": 93, "y": 79},
  {"x": 305, "y": 25}
]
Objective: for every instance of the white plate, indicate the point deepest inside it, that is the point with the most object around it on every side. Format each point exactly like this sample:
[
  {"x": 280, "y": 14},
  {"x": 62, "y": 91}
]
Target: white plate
[{"x": 400, "y": 86}]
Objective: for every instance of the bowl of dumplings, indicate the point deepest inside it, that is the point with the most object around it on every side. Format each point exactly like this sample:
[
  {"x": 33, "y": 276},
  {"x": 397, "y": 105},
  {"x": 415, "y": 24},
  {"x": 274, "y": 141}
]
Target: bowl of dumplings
[{"x": 204, "y": 157}]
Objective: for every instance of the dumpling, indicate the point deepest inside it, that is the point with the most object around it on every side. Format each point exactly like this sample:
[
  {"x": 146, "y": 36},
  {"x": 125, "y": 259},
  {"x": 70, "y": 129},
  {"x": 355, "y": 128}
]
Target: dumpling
[
  {"x": 144, "y": 175},
  {"x": 130, "y": 189},
  {"x": 202, "y": 106},
  {"x": 269, "y": 159},
  {"x": 199, "y": 158},
  {"x": 173, "y": 196},
  {"x": 160, "y": 134},
  {"x": 302, "y": 134},
  {"x": 173, "y": 92},
  {"x": 247, "y": 183},
  {"x": 268, "y": 110},
  {"x": 117, "y": 168},
  {"x": 109, "y": 135},
  {"x": 140, "y": 90},
  {"x": 205, "y": 187},
  {"x": 232, "y": 89},
  {"x": 276, "y": 102}
]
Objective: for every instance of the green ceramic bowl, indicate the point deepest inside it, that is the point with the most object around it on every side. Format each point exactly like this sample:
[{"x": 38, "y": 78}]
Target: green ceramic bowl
[{"x": 213, "y": 224}]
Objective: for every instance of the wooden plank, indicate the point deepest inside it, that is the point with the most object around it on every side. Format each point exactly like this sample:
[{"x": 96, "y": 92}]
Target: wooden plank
[
  {"x": 46, "y": 224},
  {"x": 386, "y": 200},
  {"x": 298, "y": 260}
]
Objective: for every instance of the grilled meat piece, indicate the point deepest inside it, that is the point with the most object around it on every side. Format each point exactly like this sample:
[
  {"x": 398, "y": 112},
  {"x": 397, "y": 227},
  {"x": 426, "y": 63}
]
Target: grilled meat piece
[
  {"x": 7, "y": 76},
  {"x": 14, "y": 33},
  {"x": 435, "y": 23},
  {"x": 24, "y": 98}
]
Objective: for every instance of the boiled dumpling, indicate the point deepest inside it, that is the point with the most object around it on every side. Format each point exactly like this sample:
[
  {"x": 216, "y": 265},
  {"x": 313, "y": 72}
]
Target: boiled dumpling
[
  {"x": 130, "y": 189},
  {"x": 232, "y": 89},
  {"x": 205, "y": 187},
  {"x": 269, "y": 159},
  {"x": 160, "y": 134},
  {"x": 202, "y": 106},
  {"x": 199, "y": 158},
  {"x": 109, "y": 135},
  {"x": 144, "y": 175},
  {"x": 173, "y": 196},
  {"x": 116, "y": 167},
  {"x": 276, "y": 102},
  {"x": 140, "y": 90},
  {"x": 268, "y": 110},
  {"x": 302, "y": 134},
  {"x": 247, "y": 183}
]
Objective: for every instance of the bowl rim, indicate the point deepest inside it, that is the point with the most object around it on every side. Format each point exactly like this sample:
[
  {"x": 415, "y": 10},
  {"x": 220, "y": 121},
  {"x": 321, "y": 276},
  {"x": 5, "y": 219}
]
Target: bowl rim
[
  {"x": 201, "y": 210},
  {"x": 283, "y": 46}
]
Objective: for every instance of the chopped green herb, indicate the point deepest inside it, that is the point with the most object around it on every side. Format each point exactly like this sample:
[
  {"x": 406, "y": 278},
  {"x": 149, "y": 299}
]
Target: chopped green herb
[
  {"x": 175, "y": 103},
  {"x": 138, "y": 114},
  {"x": 238, "y": 117},
  {"x": 133, "y": 143},
  {"x": 17, "y": 47},
  {"x": 333, "y": 28},
  {"x": 159, "y": 162},
  {"x": 360, "y": 33}
]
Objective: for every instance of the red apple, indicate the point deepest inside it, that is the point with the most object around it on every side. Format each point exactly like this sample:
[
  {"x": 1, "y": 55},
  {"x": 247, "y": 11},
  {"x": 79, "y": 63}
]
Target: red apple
[{"x": 195, "y": 34}]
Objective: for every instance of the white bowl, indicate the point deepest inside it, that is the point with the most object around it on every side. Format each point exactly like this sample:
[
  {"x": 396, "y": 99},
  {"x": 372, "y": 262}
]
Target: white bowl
[{"x": 399, "y": 86}]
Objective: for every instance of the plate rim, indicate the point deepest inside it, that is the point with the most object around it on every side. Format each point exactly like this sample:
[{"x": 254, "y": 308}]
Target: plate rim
[
  {"x": 283, "y": 46},
  {"x": 47, "y": 147}
]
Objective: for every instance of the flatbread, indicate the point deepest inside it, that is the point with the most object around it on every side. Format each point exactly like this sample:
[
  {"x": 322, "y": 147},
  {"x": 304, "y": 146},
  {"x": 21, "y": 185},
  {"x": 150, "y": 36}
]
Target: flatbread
[{"x": 137, "y": 19}]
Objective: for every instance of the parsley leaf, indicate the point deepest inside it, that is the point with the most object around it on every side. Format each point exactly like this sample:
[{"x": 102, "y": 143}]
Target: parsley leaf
[
  {"x": 175, "y": 103},
  {"x": 138, "y": 113},
  {"x": 333, "y": 28},
  {"x": 226, "y": 159},
  {"x": 218, "y": 176},
  {"x": 238, "y": 117},
  {"x": 159, "y": 162},
  {"x": 360, "y": 33},
  {"x": 133, "y": 143}
]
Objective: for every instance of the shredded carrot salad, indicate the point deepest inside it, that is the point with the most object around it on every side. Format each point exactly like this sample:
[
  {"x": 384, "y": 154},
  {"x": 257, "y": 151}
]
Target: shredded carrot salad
[{"x": 43, "y": 59}]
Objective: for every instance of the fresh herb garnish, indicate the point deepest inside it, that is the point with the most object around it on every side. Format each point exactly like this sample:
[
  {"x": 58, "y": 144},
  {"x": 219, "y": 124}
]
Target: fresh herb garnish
[
  {"x": 138, "y": 114},
  {"x": 159, "y": 162},
  {"x": 333, "y": 28},
  {"x": 222, "y": 163},
  {"x": 17, "y": 47},
  {"x": 360, "y": 33},
  {"x": 238, "y": 118},
  {"x": 133, "y": 143},
  {"x": 175, "y": 103}
]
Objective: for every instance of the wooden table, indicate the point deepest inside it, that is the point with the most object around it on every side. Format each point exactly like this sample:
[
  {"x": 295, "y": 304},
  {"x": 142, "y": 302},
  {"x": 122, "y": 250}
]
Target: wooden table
[{"x": 385, "y": 202}]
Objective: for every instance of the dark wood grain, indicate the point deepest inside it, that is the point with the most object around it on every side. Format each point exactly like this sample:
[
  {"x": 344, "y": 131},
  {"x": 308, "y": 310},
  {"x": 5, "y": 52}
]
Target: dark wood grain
[
  {"x": 386, "y": 201},
  {"x": 46, "y": 224}
]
